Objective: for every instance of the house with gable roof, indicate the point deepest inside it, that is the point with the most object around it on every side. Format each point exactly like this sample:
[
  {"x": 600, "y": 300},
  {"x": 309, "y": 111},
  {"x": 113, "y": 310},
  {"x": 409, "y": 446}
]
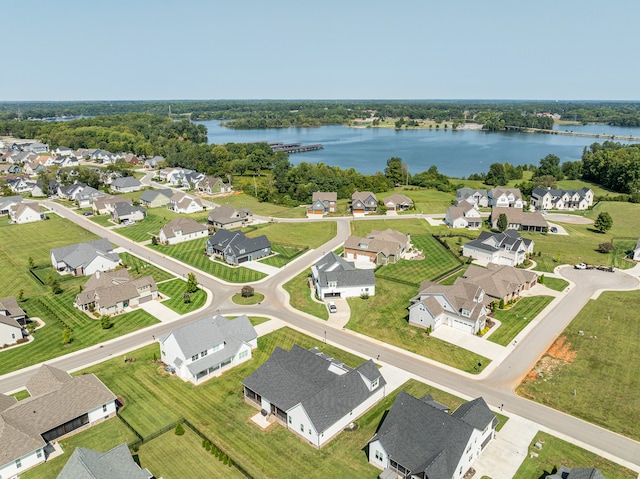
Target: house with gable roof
[
  {"x": 460, "y": 306},
  {"x": 156, "y": 198},
  {"x": 208, "y": 347},
  {"x": 363, "y": 202},
  {"x": 419, "y": 439},
  {"x": 106, "y": 204},
  {"x": 12, "y": 320},
  {"x": 126, "y": 184},
  {"x": 335, "y": 277},
  {"x": 182, "y": 229},
  {"x": 312, "y": 394},
  {"x": 378, "y": 248},
  {"x": 124, "y": 211},
  {"x": 557, "y": 199},
  {"x": 322, "y": 203},
  {"x": 235, "y": 248},
  {"x": 472, "y": 196},
  {"x": 152, "y": 163},
  {"x": 565, "y": 472},
  {"x": 116, "y": 463},
  {"x": 505, "y": 197},
  {"x": 58, "y": 405},
  {"x": 397, "y": 202},
  {"x": 26, "y": 213},
  {"x": 227, "y": 217},
  {"x": 9, "y": 308},
  {"x": 501, "y": 248},
  {"x": 500, "y": 282},
  {"x": 518, "y": 219},
  {"x": 181, "y": 203},
  {"x": 84, "y": 259},
  {"x": 7, "y": 202},
  {"x": 212, "y": 185},
  {"x": 465, "y": 215},
  {"x": 88, "y": 195}
]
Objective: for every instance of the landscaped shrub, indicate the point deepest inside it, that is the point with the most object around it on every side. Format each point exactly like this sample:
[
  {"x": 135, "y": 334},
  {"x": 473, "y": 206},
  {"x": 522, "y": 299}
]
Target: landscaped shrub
[
  {"x": 179, "y": 430},
  {"x": 606, "y": 247}
]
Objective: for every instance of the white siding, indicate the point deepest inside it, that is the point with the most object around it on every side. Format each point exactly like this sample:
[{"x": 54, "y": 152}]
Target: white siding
[
  {"x": 100, "y": 413},
  {"x": 347, "y": 292},
  {"x": 299, "y": 420},
  {"x": 376, "y": 447},
  {"x": 99, "y": 263},
  {"x": 9, "y": 334},
  {"x": 10, "y": 470}
]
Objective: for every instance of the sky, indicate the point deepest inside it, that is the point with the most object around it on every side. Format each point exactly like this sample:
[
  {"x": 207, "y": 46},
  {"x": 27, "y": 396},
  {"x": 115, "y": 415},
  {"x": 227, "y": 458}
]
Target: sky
[{"x": 326, "y": 49}]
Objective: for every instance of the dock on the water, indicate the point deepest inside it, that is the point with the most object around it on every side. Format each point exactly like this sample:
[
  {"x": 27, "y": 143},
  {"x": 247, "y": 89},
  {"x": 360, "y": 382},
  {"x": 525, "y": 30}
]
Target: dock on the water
[{"x": 294, "y": 147}]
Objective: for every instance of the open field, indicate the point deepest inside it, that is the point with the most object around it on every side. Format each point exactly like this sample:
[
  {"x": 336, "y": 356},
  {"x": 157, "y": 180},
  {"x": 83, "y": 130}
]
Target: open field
[
  {"x": 385, "y": 317},
  {"x": 155, "y": 220},
  {"x": 515, "y": 319},
  {"x": 555, "y": 453},
  {"x": 175, "y": 290},
  {"x": 193, "y": 253},
  {"x": 311, "y": 234},
  {"x": 299, "y": 293},
  {"x": 139, "y": 267},
  {"x": 425, "y": 200},
  {"x": 244, "y": 200},
  {"x": 604, "y": 358},
  {"x": 411, "y": 226}
]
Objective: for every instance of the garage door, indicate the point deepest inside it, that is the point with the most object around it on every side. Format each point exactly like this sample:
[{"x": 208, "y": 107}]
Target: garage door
[
  {"x": 145, "y": 299},
  {"x": 332, "y": 295}
]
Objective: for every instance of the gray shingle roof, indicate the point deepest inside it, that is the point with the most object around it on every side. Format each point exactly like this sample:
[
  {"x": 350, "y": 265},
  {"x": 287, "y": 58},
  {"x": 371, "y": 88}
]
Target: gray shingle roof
[
  {"x": 126, "y": 182},
  {"x": 301, "y": 376},
  {"x": 81, "y": 254},
  {"x": 237, "y": 242},
  {"x": 186, "y": 225},
  {"x": 333, "y": 268},
  {"x": 486, "y": 241},
  {"x": 150, "y": 195},
  {"x": 114, "y": 464}
]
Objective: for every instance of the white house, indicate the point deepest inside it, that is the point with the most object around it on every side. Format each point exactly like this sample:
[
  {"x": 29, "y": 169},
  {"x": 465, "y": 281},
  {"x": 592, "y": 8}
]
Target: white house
[
  {"x": 479, "y": 198},
  {"x": 418, "y": 438},
  {"x": 126, "y": 184},
  {"x": 208, "y": 347},
  {"x": 312, "y": 394},
  {"x": 335, "y": 277},
  {"x": 460, "y": 306},
  {"x": 550, "y": 199},
  {"x": 465, "y": 215},
  {"x": 62, "y": 405},
  {"x": 10, "y": 330},
  {"x": 506, "y": 197},
  {"x": 181, "y": 203},
  {"x": 182, "y": 229},
  {"x": 26, "y": 213},
  {"x": 84, "y": 259},
  {"x": 507, "y": 248}
]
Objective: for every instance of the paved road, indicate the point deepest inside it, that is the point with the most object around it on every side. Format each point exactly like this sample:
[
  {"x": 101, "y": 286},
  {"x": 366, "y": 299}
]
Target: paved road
[{"x": 497, "y": 387}]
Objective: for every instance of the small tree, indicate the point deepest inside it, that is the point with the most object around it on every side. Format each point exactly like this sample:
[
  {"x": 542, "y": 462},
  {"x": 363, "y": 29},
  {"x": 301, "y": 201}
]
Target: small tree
[
  {"x": 179, "y": 429},
  {"x": 66, "y": 336},
  {"x": 502, "y": 303},
  {"x": 21, "y": 295},
  {"x": 606, "y": 247},
  {"x": 541, "y": 279},
  {"x": 31, "y": 263},
  {"x": 154, "y": 240},
  {"x": 502, "y": 222},
  {"x": 55, "y": 287},
  {"x": 105, "y": 321},
  {"x": 192, "y": 283},
  {"x": 603, "y": 222},
  {"x": 247, "y": 291}
]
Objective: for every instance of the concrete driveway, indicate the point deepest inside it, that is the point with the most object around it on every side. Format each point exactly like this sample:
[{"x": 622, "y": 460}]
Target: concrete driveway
[{"x": 261, "y": 267}]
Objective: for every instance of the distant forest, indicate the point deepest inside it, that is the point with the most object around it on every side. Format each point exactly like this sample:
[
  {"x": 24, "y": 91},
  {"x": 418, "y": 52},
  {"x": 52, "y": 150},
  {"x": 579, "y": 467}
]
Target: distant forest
[{"x": 253, "y": 114}]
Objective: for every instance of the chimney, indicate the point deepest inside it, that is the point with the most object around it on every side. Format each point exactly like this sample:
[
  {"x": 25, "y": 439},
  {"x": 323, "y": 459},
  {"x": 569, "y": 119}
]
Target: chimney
[{"x": 97, "y": 274}]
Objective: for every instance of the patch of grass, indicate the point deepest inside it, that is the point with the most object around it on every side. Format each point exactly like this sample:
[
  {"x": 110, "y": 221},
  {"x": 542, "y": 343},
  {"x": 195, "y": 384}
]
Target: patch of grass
[
  {"x": 253, "y": 299},
  {"x": 175, "y": 290},
  {"x": 284, "y": 256},
  {"x": 557, "y": 284},
  {"x": 22, "y": 394},
  {"x": 101, "y": 437},
  {"x": 515, "y": 319},
  {"x": 425, "y": 200},
  {"x": 166, "y": 456},
  {"x": 138, "y": 267},
  {"x": 193, "y": 253},
  {"x": 555, "y": 453},
  {"x": 102, "y": 220},
  {"x": 155, "y": 220},
  {"x": 243, "y": 200},
  {"x": 255, "y": 320},
  {"x": 311, "y": 234},
  {"x": 300, "y": 296},
  {"x": 410, "y": 226},
  {"x": 607, "y": 358},
  {"x": 385, "y": 317}
]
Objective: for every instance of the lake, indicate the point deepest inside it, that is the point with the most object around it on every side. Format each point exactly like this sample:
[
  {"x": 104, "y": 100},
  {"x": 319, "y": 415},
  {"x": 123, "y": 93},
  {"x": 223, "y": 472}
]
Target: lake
[{"x": 455, "y": 153}]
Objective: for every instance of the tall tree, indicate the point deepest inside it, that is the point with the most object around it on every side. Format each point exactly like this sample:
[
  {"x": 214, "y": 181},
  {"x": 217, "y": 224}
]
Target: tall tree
[
  {"x": 550, "y": 165},
  {"x": 496, "y": 175},
  {"x": 502, "y": 222},
  {"x": 603, "y": 222},
  {"x": 395, "y": 171}
]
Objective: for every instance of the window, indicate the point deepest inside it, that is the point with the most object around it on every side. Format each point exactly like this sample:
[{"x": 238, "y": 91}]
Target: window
[
  {"x": 194, "y": 357},
  {"x": 104, "y": 408},
  {"x": 309, "y": 430},
  {"x": 301, "y": 427},
  {"x": 18, "y": 463},
  {"x": 39, "y": 453},
  {"x": 374, "y": 383},
  {"x": 290, "y": 419},
  {"x": 13, "y": 336},
  {"x": 243, "y": 354},
  {"x": 203, "y": 353},
  {"x": 379, "y": 456}
]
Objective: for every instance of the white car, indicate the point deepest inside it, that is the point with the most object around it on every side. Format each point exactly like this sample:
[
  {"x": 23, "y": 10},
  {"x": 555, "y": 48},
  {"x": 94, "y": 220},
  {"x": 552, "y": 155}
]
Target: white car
[
  {"x": 332, "y": 307},
  {"x": 580, "y": 266}
]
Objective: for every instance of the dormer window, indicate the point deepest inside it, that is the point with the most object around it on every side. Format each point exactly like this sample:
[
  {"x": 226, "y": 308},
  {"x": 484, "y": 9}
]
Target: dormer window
[{"x": 375, "y": 383}]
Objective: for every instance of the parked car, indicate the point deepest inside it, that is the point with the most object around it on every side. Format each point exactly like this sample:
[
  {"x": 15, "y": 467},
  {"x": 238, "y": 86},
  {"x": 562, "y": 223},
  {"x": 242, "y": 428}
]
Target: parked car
[
  {"x": 332, "y": 307},
  {"x": 580, "y": 266},
  {"x": 87, "y": 213}
]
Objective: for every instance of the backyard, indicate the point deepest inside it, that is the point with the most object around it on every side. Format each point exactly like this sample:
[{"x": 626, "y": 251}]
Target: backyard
[
  {"x": 515, "y": 319},
  {"x": 597, "y": 352},
  {"x": 155, "y": 220}
]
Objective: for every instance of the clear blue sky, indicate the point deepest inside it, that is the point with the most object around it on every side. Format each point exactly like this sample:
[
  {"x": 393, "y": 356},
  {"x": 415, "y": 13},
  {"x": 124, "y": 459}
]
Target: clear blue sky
[{"x": 326, "y": 49}]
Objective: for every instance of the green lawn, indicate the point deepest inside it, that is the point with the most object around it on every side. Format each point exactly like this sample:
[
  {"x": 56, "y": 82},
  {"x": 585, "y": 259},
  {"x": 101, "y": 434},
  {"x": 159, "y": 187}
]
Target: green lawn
[
  {"x": 285, "y": 254},
  {"x": 385, "y": 317},
  {"x": 243, "y": 200},
  {"x": 411, "y": 226},
  {"x": 557, "y": 284},
  {"x": 167, "y": 455},
  {"x": 101, "y": 437},
  {"x": 138, "y": 267},
  {"x": 193, "y": 253},
  {"x": 515, "y": 319},
  {"x": 555, "y": 453},
  {"x": 102, "y": 220},
  {"x": 175, "y": 290},
  {"x": 425, "y": 200},
  {"x": 255, "y": 298},
  {"x": 22, "y": 394},
  {"x": 299, "y": 296},
  {"x": 311, "y": 234},
  {"x": 155, "y": 220},
  {"x": 607, "y": 359}
]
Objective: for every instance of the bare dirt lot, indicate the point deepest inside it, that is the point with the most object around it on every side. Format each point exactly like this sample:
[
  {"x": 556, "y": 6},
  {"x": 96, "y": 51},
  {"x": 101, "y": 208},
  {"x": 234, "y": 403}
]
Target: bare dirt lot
[{"x": 571, "y": 219}]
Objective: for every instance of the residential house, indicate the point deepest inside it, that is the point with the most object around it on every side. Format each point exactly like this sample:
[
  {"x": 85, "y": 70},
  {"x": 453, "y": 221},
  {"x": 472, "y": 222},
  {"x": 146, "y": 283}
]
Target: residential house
[
  {"x": 418, "y": 438},
  {"x": 9, "y": 169},
  {"x": 501, "y": 248},
  {"x": 37, "y": 147},
  {"x": 576, "y": 473},
  {"x": 182, "y": 229},
  {"x": 33, "y": 168},
  {"x": 59, "y": 405},
  {"x": 153, "y": 163},
  {"x": 70, "y": 192},
  {"x": 9, "y": 308},
  {"x": 125, "y": 184},
  {"x": 6, "y": 202},
  {"x": 517, "y": 219},
  {"x": 181, "y": 203},
  {"x": 235, "y": 248},
  {"x": 227, "y": 217},
  {"x": 211, "y": 185},
  {"x": 84, "y": 259},
  {"x": 506, "y": 197},
  {"x": 20, "y": 184},
  {"x": 363, "y": 202},
  {"x": 312, "y": 394},
  {"x": 335, "y": 277},
  {"x": 106, "y": 204},
  {"x": 88, "y": 195},
  {"x": 156, "y": 198},
  {"x": 116, "y": 463},
  {"x": 113, "y": 292},
  {"x": 322, "y": 203},
  {"x": 397, "y": 202},
  {"x": 465, "y": 215},
  {"x": 63, "y": 151},
  {"x": 378, "y": 248},
  {"x": 208, "y": 347},
  {"x": 554, "y": 199},
  {"x": 123, "y": 211},
  {"x": 26, "y": 213},
  {"x": 38, "y": 191},
  {"x": 480, "y": 198},
  {"x": 131, "y": 159},
  {"x": 500, "y": 282},
  {"x": 22, "y": 157},
  {"x": 66, "y": 162},
  {"x": 460, "y": 306}
]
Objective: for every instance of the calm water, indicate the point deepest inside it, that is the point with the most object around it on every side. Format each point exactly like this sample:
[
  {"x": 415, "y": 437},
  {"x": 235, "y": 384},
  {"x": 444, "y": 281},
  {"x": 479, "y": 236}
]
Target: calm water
[{"x": 455, "y": 153}]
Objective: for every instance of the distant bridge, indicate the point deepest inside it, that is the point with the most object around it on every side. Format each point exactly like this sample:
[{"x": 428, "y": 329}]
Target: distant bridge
[
  {"x": 294, "y": 147},
  {"x": 572, "y": 133}
]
